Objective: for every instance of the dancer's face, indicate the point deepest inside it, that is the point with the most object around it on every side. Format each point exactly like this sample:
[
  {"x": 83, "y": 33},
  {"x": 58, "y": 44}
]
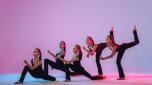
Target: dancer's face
[
  {"x": 36, "y": 53},
  {"x": 109, "y": 40},
  {"x": 62, "y": 45},
  {"x": 75, "y": 50},
  {"x": 89, "y": 41}
]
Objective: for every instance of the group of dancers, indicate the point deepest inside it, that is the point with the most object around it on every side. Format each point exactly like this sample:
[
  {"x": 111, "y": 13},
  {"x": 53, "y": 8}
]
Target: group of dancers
[{"x": 73, "y": 67}]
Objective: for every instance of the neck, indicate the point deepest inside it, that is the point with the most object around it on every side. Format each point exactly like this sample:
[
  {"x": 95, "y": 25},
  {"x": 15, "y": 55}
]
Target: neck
[
  {"x": 36, "y": 57},
  {"x": 62, "y": 48},
  {"x": 109, "y": 44},
  {"x": 90, "y": 45}
]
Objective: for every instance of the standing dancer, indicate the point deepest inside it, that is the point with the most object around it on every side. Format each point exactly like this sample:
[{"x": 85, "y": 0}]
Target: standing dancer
[
  {"x": 35, "y": 69},
  {"x": 121, "y": 50},
  {"x": 76, "y": 66},
  {"x": 98, "y": 48}
]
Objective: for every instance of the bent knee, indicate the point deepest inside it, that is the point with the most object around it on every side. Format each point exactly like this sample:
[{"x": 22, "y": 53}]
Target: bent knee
[{"x": 46, "y": 60}]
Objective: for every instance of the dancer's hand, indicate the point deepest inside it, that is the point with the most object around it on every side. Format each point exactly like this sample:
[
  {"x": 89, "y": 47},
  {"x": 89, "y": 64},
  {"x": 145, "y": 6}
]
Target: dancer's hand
[
  {"x": 134, "y": 28},
  {"x": 25, "y": 61},
  {"x": 49, "y": 51},
  {"x": 113, "y": 28},
  {"x": 102, "y": 58},
  {"x": 84, "y": 48},
  {"x": 88, "y": 55}
]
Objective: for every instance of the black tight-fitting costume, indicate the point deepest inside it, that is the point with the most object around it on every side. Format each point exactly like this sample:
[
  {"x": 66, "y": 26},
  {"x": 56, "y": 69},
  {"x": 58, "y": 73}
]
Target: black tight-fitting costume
[
  {"x": 79, "y": 69},
  {"x": 121, "y": 50},
  {"x": 76, "y": 67},
  {"x": 98, "y": 51},
  {"x": 57, "y": 65},
  {"x": 36, "y": 73}
]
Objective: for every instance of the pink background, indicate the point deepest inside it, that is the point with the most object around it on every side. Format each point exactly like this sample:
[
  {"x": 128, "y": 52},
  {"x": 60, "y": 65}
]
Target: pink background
[{"x": 26, "y": 24}]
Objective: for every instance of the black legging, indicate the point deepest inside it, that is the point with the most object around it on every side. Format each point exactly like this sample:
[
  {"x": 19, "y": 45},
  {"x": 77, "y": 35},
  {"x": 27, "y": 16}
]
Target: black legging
[
  {"x": 98, "y": 54},
  {"x": 56, "y": 65},
  {"x": 37, "y": 73},
  {"x": 79, "y": 69},
  {"x": 99, "y": 50},
  {"x": 121, "y": 49}
]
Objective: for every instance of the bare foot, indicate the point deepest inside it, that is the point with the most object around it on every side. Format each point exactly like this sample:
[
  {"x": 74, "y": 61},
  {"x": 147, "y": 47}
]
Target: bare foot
[{"x": 18, "y": 82}]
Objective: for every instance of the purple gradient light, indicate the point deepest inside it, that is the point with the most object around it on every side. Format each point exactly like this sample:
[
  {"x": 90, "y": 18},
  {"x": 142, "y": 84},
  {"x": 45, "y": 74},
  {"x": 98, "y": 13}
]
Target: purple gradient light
[{"x": 26, "y": 24}]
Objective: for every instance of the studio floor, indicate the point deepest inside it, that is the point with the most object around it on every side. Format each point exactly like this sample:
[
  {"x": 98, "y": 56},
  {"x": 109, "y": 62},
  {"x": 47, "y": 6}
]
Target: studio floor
[{"x": 131, "y": 79}]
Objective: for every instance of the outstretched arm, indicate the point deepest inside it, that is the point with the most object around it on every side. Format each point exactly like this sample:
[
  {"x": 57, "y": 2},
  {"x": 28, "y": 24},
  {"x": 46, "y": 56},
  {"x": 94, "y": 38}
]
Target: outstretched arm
[
  {"x": 87, "y": 50},
  {"x": 111, "y": 55},
  {"x": 84, "y": 48},
  {"x": 52, "y": 54},
  {"x": 56, "y": 56},
  {"x": 91, "y": 52},
  {"x": 72, "y": 60}
]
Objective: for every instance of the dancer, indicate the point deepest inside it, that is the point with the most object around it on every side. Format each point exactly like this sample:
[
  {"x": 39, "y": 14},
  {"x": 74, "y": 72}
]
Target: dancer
[
  {"x": 76, "y": 66},
  {"x": 121, "y": 50},
  {"x": 98, "y": 48},
  {"x": 59, "y": 64},
  {"x": 35, "y": 69}
]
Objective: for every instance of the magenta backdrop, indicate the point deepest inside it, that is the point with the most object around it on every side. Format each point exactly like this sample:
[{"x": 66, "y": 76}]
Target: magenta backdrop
[{"x": 26, "y": 24}]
